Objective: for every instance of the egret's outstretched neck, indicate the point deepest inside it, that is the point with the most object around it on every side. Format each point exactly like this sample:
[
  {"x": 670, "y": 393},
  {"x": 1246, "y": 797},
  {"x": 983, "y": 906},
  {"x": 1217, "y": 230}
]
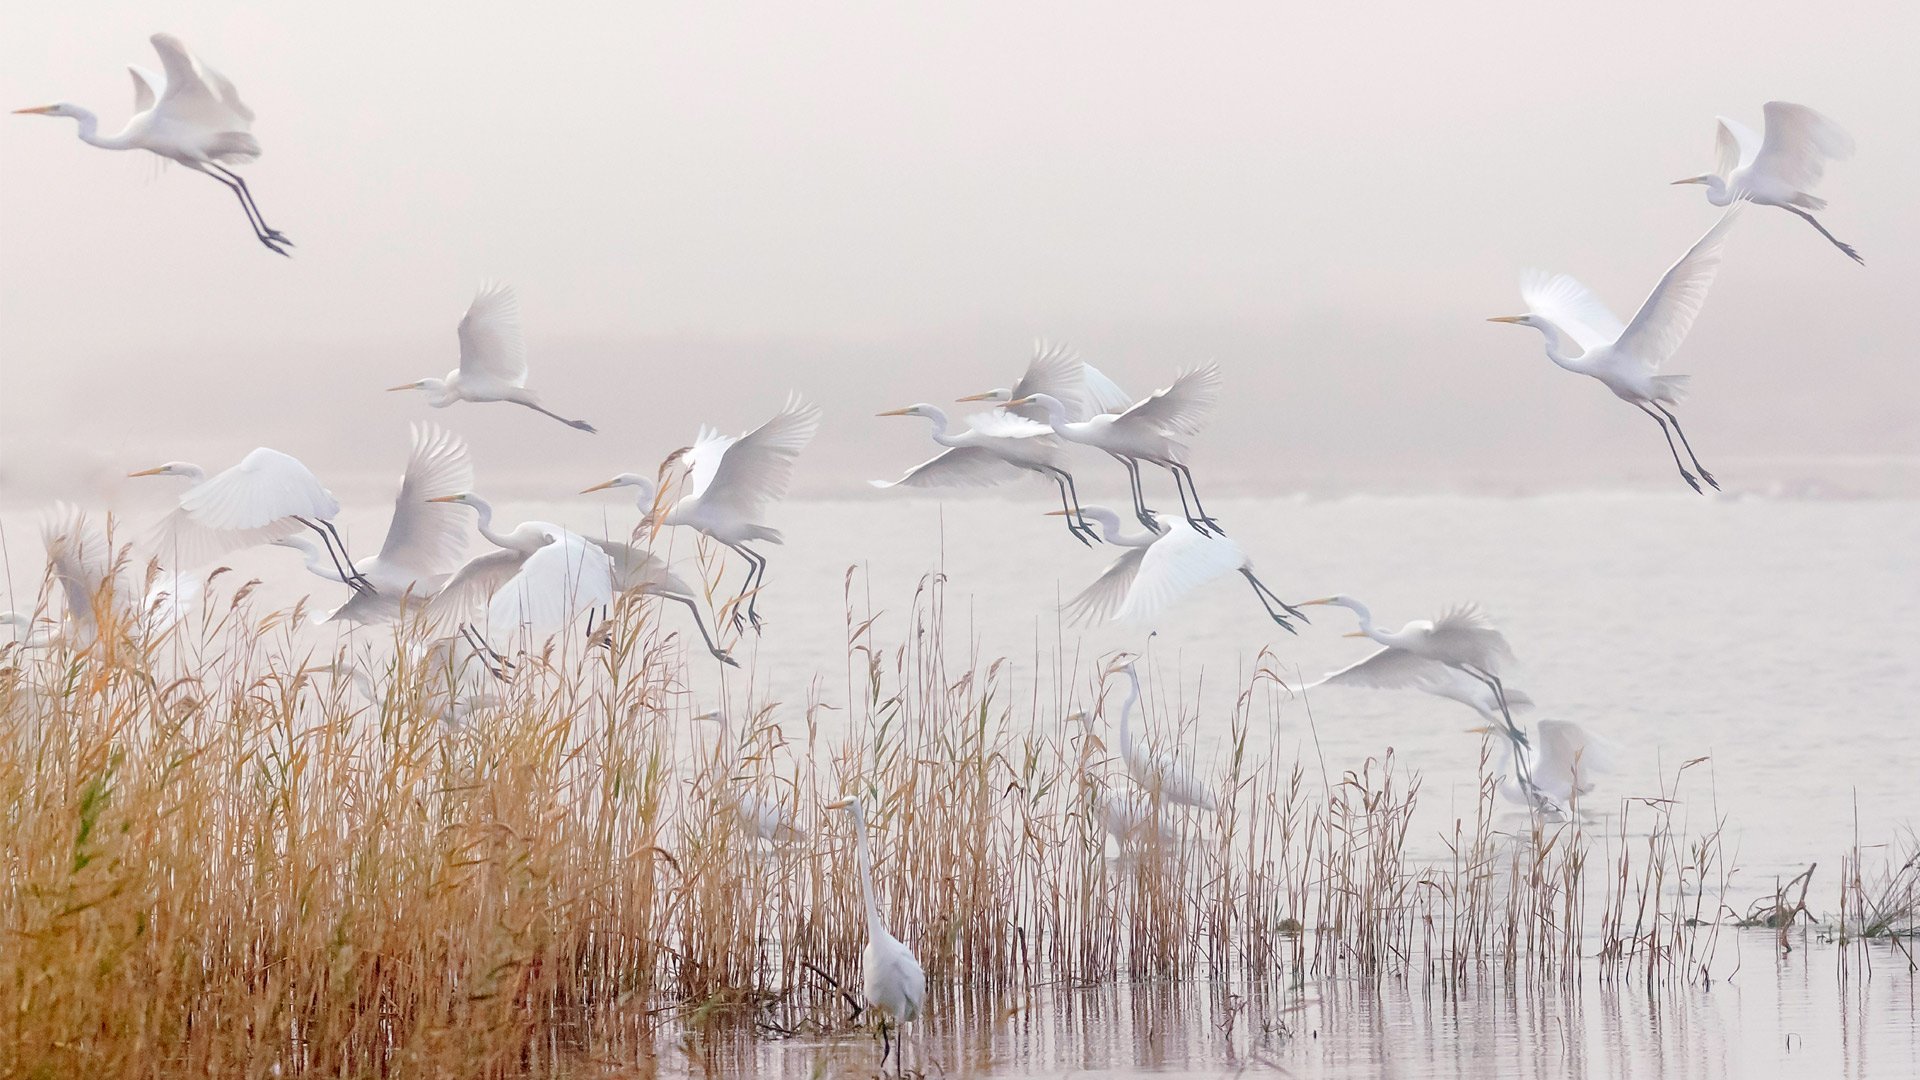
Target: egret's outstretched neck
[
  {"x": 317, "y": 562},
  {"x": 875, "y": 927},
  {"x": 1126, "y": 713}
]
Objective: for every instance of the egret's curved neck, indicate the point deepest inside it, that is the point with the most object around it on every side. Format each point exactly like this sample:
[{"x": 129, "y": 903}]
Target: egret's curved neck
[
  {"x": 1126, "y": 713},
  {"x": 940, "y": 425},
  {"x": 317, "y": 563},
  {"x": 90, "y": 133},
  {"x": 643, "y": 496},
  {"x": 194, "y": 474},
  {"x": 1056, "y": 412},
  {"x": 485, "y": 511},
  {"x": 875, "y": 927},
  {"x": 1561, "y": 349}
]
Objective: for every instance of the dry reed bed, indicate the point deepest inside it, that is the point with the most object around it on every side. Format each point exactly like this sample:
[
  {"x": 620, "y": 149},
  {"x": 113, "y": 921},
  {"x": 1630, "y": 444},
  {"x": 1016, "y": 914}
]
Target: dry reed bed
[{"x": 227, "y": 855}]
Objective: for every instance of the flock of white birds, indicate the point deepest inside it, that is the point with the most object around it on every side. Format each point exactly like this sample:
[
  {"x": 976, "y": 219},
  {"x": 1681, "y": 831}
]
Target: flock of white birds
[{"x": 538, "y": 580}]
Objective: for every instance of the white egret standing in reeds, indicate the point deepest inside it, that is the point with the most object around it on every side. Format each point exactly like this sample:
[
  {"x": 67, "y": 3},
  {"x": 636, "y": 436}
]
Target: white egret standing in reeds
[
  {"x": 1161, "y": 775},
  {"x": 892, "y": 981},
  {"x": 1779, "y": 169},
  {"x": 493, "y": 359},
  {"x": 1586, "y": 338},
  {"x": 194, "y": 117}
]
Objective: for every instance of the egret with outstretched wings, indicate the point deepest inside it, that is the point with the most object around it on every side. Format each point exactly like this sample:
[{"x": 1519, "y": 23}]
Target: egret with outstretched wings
[{"x": 493, "y": 359}]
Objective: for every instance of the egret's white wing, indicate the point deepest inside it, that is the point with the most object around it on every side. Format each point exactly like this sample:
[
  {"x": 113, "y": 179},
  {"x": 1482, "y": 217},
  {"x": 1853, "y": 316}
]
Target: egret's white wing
[
  {"x": 1181, "y": 408},
  {"x": 172, "y": 599},
  {"x": 1098, "y": 601},
  {"x": 1562, "y": 300},
  {"x": 465, "y": 595},
  {"x": 960, "y": 466},
  {"x": 1179, "y": 562},
  {"x": 1457, "y": 685},
  {"x": 1388, "y": 669},
  {"x": 264, "y": 489},
  {"x": 1103, "y": 394},
  {"x": 634, "y": 567},
  {"x": 1055, "y": 371},
  {"x": 195, "y": 93},
  {"x": 81, "y": 559},
  {"x": 1001, "y": 424},
  {"x": 1734, "y": 146},
  {"x": 1466, "y": 633},
  {"x": 146, "y": 87},
  {"x": 1662, "y": 322},
  {"x": 1565, "y": 758},
  {"x": 428, "y": 538},
  {"x": 703, "y": 459},
  {"x": 1797, "y": 145},
  {"x": 567, "y": 576},
  {"x": 492, "y": 344},
  {"x": 757, "y": 467}
]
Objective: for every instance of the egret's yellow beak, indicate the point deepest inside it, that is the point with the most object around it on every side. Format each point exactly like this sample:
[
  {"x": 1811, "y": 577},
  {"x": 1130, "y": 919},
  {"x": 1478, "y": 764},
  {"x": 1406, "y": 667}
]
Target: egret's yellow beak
[
  {"x": 896, "y": 412},
  {"x": 1481, "y": 730},
  {"x": 35, "y": 109},
  {"x": 445, "y": 498},
  {"x": 1694, "y": 179},
  {"x": 1017, "y": 401},
  {"x": 988, "y": 396},
  {"x": 404, "y": 386},
  {"x": 1356, "y": 633},
  {"x": 1315, "y": 603},
  {"x": 1508, "y": 318},
  {"x": 155, "y": 471},
  {"x": 839, "y": 804},
  {"x": 1056, "y": 513},
  {"x": 602, "y": 486}
]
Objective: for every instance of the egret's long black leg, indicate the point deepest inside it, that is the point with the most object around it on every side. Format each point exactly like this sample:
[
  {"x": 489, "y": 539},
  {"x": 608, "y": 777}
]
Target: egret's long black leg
[
  {"x": 718, "y": 653},
  {"x": 247, "y": 193},
  {"x": 1140, "y": 511},
  {"x": 1695, "y": 458},
  {"x": 1662, "y": 421},
  {"x": 1070, "y": 506},
  {"x": 247, "y": 207},
  {"x": 1185, "y": 510},
  {"x": 326, "y": 541},
  {"x": 1181, "y": 470},
  {"x": 1522, "y": 770},
  {"x": 355, "y": 578},
  {"x": 487, "y": 655},
  {"x": 1811, "y": 220},
  {"x": 886, "y": 1044},
  {"x": 749, "y": 592},
  {"x": 1261, "y": 593},
  {"x": 1289, "y": 608}
]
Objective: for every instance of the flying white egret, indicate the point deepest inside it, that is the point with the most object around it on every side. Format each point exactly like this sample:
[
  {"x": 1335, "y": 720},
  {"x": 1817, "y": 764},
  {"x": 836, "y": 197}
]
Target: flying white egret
[
  {"x": 640, "y": 572},
  {"x": 493, "y": 359},
  {"x": 267, "y": 495},
  {"x": 542, "y": 577},
  {"x": 1780, "y": 169},
  {"x": 1586, "y": 338},
  {"x": 895, "y": 984},
  {"x": 994, "y": 448},
  {"x": 1161, "y": 776},
  {"x": 731, "y": 482},
  {"x": 1398, "y": 669},
  {"x": 195, "y": 118},
  {"x": 425, "y": 539},
  {"x": 1559, "y": 767},
  {"x": 1463, "y": 639},
  {"x": 1147, "y": 430},
  {"x": 99, "y": 581},
  {"x": 770, "y": 821},
  {"x": 1059, "y": 372},
  {"x": 1161, "y": 568}
]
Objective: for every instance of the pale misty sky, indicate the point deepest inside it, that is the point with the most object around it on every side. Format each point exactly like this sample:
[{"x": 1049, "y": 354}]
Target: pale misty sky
[{"x": 704, "y": 206}]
